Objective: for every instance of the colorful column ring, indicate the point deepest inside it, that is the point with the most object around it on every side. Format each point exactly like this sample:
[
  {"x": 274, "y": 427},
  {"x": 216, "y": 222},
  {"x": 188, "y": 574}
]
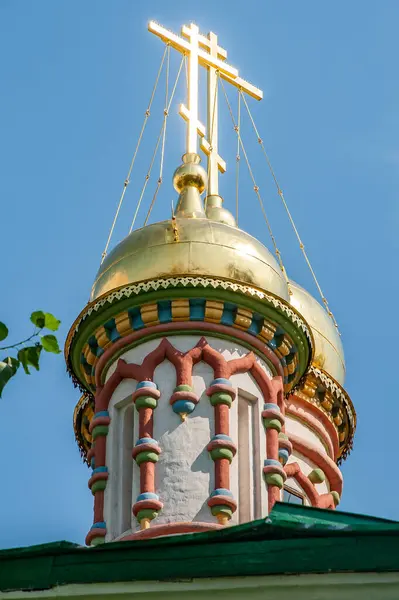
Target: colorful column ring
[
  {"x": 274, "y": 473},
  {"x": 221, "y": 391},
  {"x": 222, "y": 505},
  {"x": 183, "y": 400}
]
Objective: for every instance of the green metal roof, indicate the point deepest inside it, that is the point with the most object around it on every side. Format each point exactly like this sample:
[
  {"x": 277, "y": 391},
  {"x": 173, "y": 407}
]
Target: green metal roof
[{"x": 293, "y": 539}]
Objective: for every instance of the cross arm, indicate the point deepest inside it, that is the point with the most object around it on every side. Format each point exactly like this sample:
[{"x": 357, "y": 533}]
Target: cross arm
[
  {"x": 205, "y": 43},
  {"x": 245, "y": 86},
  {"x": 184, "y": 46}
]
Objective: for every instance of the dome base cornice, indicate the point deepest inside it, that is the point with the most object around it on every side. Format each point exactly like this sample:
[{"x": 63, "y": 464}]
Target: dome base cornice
[
  {"x": 319, "y": 389},
  {"x": 134, "y": 313}
]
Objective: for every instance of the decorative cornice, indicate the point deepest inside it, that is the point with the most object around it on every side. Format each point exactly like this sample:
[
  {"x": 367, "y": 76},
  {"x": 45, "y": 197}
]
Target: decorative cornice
[
  {"x": 320, "y": 389},
  {"x": 82, "y": 416},
  {"x": 205, "y": 282},
  {"x": 278, "y": 327}
]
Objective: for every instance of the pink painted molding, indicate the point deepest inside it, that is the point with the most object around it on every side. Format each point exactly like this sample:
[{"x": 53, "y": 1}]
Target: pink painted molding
[
  {"x": 271, "y": 389},
  {"x": 171, "y": 529},
  {"x": 315, "y": 419},
  {"x": 170, "y": 327},
  {"x": 321, "y": 460},
  {"x": 318, "y": 500}
]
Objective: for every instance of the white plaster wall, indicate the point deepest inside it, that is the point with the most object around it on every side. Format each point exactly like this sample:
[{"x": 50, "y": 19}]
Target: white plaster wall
[
  {"x": 185, "y": 471},
  {"x": 298, "y": 428}
]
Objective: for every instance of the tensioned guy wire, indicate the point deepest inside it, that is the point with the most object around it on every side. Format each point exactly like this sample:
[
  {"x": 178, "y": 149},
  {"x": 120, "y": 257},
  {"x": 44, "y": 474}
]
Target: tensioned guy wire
[
  {"x": 162, "y": 135},
  {"x": 256, "y": 189},
  {"x": 280, "y": 193},
  {"x": 127, "y": 179},
  {"x": 165, "y": 116}
]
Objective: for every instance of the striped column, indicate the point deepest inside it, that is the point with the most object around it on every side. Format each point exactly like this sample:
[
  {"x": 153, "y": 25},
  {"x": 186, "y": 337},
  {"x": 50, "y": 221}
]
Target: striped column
[
  {"x": 273, "y": 472},
  {"x": 146, "y": 453},
  {"x": 222, "y": 450},
  {"x": 99, "y": 427}
]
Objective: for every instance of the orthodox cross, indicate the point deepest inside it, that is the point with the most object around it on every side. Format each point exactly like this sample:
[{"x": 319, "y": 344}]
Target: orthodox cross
[{"x": 204, "y": 50}]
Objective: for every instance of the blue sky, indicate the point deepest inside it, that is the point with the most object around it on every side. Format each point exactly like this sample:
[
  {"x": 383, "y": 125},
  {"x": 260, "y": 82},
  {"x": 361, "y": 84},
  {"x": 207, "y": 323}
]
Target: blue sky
[{"x": 75, "y": 79}]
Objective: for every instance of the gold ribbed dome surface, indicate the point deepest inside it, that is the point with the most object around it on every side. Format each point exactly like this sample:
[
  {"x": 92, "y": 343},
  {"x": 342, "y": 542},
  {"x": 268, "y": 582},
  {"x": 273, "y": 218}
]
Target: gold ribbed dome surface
[
  {"x": 328, "y": 353},
  {"x": 202, "y": 247}
]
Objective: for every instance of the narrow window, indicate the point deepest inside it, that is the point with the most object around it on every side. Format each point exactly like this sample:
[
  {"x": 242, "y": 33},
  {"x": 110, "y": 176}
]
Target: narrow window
[
  {"x": 121, "y": 466},
  {"x": 292, "y": 497},
  {"x": 249, "y": 468}
]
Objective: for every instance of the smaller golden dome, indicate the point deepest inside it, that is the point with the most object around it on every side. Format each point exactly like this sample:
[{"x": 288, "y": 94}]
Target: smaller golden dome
[{"x": 328, "y": 353}]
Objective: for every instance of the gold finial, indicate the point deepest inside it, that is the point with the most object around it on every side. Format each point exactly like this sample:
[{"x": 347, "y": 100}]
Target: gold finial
[
  {"x": 216, "y": 212},
  {"x": 190, "y": 180}
]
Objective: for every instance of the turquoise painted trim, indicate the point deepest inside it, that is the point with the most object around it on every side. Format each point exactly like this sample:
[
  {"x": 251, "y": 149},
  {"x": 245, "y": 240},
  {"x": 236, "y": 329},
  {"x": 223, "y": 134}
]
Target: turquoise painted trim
[
  {"x": 227, "y": 318},
  {"x": 146, "y": 441},
  {"x": 221, "y": 380},
  {"x": 256, "y": 326},
  {"x": 136, "y": 321},
  {"x": 221, "y": 492},
  {"x": 147, "y": 496},
  {"x": 164, "y": 311},
  {"x": 229, "y": 314},
  {"x": 144, "y": 384},
  {"x": 100, "y": 470},
  {"x": 112, "y": 332},
  {"x": 197, "y": 309},
  {"x": 262, "y": 308}
]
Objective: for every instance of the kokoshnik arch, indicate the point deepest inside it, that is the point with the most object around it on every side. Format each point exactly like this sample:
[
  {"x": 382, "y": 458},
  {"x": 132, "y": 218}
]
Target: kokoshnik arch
[{"x": 212, "y": 385}]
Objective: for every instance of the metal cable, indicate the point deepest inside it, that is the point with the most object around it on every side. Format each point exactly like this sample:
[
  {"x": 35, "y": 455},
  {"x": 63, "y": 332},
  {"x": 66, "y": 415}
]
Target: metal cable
[
  {"x": 184, "y": 60},
  {"x": 147, "y": 177},
  {"x": 166, "y": 114},
  {"x": 280, "y": 193},
  {"x": 127, "y": 179},
  {"x": 256, "y": 190}
]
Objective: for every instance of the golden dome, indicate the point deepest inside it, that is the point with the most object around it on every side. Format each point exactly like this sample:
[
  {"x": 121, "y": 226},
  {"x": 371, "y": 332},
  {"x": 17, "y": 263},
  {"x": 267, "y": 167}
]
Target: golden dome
[
  {"x": 328, "y": 353},
  {"x": 190, "y": 247}
]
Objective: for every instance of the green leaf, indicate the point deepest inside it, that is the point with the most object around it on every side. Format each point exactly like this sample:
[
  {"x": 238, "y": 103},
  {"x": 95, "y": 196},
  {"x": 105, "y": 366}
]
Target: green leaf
[
  {"x": 38, "y": 318},
  {"x": 3, "y": 331},
  {"x": 30, "y": 357},
  {"x": 50, "y": 344},
  {"x": 8, "y": 368},
  {"x": 50, "y": 322},
  {"x": 23, "y": 359},
  {"x": 34, "y": 355}
]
